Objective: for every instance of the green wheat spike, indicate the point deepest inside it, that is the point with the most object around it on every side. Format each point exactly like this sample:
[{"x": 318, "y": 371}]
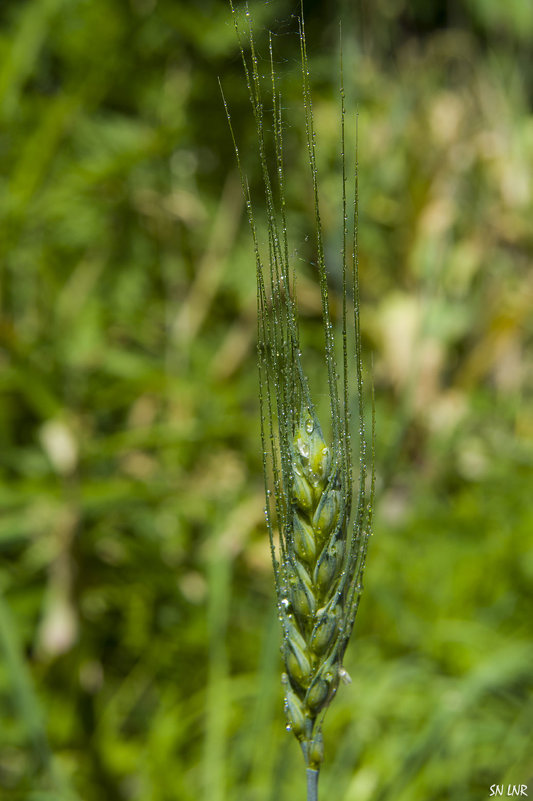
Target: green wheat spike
[{"x": 322, "y": 523}]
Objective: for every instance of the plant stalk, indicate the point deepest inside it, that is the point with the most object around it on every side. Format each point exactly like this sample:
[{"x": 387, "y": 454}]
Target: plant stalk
[{"x": 312, "y": 784}]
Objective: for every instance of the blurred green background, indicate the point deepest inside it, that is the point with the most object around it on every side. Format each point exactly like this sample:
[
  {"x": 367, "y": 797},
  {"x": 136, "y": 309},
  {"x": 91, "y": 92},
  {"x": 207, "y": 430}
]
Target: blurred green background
[{"x": 138, "y": 638}]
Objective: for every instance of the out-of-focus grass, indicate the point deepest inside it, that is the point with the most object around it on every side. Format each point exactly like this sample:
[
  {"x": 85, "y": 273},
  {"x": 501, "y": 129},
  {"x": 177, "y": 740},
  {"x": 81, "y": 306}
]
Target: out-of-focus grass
[{"x": 139, "y": 637}]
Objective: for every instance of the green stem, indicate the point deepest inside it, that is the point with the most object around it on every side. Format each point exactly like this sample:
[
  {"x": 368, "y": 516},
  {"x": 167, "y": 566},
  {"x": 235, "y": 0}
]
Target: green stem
[{"x": 312, "y": 784}]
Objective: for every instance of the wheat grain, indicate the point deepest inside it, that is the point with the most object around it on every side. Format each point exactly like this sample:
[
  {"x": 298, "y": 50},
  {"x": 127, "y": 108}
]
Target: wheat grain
[
  {"x": 319, "y": 581},
  {"x": 323, "y": 525}
]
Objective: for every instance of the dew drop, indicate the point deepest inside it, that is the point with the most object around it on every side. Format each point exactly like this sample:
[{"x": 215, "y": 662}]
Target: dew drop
[
  {"x": 303, "y": 447},
  {"x": 345, "y": 676},
  {"x": 285, "y": 602},
  {"x": 309, "y": 426},
  {"x": 288, "y": 727}
]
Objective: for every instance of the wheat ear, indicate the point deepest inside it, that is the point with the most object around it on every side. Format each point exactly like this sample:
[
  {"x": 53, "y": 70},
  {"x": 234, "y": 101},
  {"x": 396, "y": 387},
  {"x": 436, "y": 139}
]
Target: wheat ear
[{"x": 318, "y": 526}]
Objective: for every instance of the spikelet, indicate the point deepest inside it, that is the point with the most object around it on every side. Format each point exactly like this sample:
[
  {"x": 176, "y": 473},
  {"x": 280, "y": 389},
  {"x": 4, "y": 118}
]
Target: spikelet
[
  {"x": 318, "y": 579},
  {"x": 322, "y": 522}
]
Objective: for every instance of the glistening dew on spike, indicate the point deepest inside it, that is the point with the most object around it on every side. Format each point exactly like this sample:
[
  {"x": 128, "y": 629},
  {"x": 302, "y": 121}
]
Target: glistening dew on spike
[{"x": 322, "y": 522}]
